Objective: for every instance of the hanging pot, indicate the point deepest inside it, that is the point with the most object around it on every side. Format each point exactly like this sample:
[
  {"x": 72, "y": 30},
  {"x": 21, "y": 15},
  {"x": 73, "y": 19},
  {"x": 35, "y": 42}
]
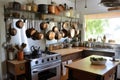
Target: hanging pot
[
  {"x": 34, "y": 36},
  {"x": 58, "y": 35},
  {"x": 74, "y": 25},
  {"x": 28, "y": 29},
  {"x": 32, "y": 30},
  {"x": 19, "y": 24},
  {"x": 55, "y": 29},
  {"x": 50, "y": 35},
  {"x": 77, "y": 31},
  {"x": 43, "y": 25},
  {"x": 66, "y": 26},
  {"x": 38, "y": 35},
  {"x": 65, "y": 33},
  {"x": 12, "y": 31},
  {"x": 71, "y": 33}
]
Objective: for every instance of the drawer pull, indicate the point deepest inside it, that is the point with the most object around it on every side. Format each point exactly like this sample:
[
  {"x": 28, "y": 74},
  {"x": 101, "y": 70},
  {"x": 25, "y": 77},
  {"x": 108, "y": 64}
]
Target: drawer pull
[{"x": 22, "y": 68}]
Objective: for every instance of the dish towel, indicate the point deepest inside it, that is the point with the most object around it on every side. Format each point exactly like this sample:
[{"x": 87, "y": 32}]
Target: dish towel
[{"x": 63, "y": 68}]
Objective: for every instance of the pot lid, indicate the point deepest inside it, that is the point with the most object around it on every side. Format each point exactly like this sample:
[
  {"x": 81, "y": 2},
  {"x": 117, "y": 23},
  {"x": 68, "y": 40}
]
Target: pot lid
[{"x": 110, "y": 3}]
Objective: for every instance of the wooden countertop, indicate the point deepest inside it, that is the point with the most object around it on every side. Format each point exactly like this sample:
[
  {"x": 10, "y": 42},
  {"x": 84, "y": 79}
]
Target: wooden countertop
[
  {"x": 16, "y": 61},
  {"x": 85, "y": 65},
  {"x": 67, "y": 51}
]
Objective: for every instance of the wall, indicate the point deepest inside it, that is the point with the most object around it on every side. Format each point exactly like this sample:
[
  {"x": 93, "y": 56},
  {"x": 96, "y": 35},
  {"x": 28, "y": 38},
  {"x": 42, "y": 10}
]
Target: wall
[{"x": 3, "y": 66}]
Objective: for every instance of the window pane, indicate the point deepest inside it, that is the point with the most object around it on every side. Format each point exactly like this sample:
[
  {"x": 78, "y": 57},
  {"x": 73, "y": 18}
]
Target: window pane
[{"x": 99, "y": 27}]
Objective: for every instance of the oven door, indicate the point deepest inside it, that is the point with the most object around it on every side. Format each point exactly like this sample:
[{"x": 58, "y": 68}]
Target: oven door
[{"x": 47, "y": 72}]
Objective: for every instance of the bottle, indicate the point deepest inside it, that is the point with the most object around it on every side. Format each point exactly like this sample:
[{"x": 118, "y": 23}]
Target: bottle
[{"x": 104, "y": 38}]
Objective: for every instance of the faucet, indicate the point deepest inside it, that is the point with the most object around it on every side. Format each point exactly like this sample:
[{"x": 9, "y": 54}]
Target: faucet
[{"x": 101, "y": 39}]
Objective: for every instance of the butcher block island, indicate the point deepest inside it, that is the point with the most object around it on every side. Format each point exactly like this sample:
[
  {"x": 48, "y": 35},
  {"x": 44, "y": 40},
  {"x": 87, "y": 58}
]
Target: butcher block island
[{"x": 84, "y": 70}]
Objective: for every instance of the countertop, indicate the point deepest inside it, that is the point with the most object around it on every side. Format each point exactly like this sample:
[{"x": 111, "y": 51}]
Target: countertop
[
  {"x": 85, "y": 65},
  {"x": 100, "y": 49},
  {"x": 67, "y": 51}
]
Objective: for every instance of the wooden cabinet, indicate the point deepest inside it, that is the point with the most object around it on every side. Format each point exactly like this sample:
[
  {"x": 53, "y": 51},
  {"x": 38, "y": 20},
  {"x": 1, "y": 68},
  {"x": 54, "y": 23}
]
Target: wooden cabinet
[{"x": 16, "y": 68}]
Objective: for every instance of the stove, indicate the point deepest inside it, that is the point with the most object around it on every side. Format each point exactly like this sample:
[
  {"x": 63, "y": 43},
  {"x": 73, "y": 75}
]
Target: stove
[{"x": 43, "y": 66}]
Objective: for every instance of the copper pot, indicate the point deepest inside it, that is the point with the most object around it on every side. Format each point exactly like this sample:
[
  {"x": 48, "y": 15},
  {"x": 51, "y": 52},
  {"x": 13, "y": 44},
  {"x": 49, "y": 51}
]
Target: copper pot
[
  {"x": 61, "y": 7},
  {"x": 71, "y": 33},
  {"x": 77, "y": 31},
  {"x": 43, "y": 25},
  {"x": 74, "y": 25},
  {"x": 66, "y": 26},
  {"x": 50, "y": 35},
  {"x": 58, "y": 35},
  {"x": 19, "y": 24},
  {"x": 55, "y": 29},
  {"x": 12, "y": 31},
  {"x": 65, "y": 33},
  {"x": 51, "y": 9}
]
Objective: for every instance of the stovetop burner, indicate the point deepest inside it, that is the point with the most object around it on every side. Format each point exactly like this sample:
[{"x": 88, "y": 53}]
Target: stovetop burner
[
  {"x": 35, "y": 56},
  {"x": 40, "y": 55}
]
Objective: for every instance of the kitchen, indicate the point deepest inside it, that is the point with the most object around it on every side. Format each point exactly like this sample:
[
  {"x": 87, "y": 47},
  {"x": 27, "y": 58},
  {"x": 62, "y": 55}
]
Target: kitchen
[{"x": 71, "y": 3}]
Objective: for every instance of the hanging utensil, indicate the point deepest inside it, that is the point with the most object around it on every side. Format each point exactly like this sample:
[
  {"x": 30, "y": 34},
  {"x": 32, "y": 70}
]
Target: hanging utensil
[
  {"x": 43, "y": 25},
  {"x": 19, "y": 23},
  {"x": 12, "y": 30},
  {"x": 50, "y": 35}
]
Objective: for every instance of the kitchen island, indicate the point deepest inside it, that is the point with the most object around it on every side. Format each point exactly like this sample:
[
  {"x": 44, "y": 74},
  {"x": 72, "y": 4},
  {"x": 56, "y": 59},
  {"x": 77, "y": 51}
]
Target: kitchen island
[{"x": 84, "y": 70}]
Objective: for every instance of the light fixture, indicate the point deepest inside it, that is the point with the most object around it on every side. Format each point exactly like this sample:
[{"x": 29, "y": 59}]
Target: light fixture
[
  {"x": 85, "y": 3},
  {"x": 110, "y": 3}
]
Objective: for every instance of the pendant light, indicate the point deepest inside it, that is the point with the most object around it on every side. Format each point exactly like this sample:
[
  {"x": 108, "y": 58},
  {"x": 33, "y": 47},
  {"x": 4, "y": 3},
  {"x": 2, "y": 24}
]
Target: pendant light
[
  {"x": 110, "y": 3},
  {"x": 85, "y": 3}
]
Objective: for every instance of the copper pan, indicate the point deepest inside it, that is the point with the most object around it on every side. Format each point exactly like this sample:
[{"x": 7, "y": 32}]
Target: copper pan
[{"x": 50, "y": 35}]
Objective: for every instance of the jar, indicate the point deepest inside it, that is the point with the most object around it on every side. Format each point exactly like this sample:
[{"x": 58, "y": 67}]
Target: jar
[
  {"x": 34, "y": 7},
  {"x": 11, "y": 55},
  {"x": 28, "y": 7},
  {"x": 20, "y": 55},
  {"x": 23, "y": 7},
  {"x": 50, "y": 47}
]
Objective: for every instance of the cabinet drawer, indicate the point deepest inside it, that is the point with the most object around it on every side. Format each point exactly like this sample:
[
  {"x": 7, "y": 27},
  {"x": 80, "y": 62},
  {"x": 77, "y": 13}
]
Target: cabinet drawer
[
  {"x": 20, "y": 69},
  {"x": 16, "y": 68}
]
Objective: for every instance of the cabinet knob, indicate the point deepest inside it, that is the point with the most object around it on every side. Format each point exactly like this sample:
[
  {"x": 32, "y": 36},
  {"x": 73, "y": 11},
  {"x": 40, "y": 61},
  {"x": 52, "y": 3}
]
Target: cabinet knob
[{"x": 21, "y": 68}]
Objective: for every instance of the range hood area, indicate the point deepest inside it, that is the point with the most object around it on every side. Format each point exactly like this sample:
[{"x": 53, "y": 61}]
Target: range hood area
[{"x": 110, "y": 3}]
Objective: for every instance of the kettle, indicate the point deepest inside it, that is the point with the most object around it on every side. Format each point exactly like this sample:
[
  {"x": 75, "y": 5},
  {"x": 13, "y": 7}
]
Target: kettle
[{"x": 35, "y": 50}]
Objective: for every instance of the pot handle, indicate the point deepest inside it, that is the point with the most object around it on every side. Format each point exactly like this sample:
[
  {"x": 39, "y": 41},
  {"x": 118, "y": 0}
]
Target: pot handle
[{"x": 32, "y": 48}]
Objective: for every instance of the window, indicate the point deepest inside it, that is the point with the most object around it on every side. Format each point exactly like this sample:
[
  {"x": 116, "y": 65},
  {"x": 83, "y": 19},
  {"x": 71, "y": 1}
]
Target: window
[{"x": 98, "y": 26}]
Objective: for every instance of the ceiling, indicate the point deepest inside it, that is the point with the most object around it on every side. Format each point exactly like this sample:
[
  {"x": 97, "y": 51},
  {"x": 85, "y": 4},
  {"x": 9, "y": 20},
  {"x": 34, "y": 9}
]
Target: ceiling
[{"x": 93, "y": 6}]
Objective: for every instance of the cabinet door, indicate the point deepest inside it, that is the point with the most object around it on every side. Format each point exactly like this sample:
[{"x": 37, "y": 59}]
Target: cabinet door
[{"x": 110, "y": 75}]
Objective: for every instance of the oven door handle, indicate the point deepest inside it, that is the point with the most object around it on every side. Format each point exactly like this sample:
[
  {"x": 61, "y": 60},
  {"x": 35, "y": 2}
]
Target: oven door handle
[{"x": 35, "y": 71}]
